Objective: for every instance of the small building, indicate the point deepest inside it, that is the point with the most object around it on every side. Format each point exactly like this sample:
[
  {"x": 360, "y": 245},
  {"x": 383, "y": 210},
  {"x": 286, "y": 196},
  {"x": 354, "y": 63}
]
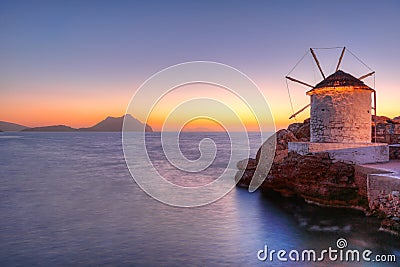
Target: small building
[
  {"x": 341, "y": 120},
  {"x": 340, "y": 110}
]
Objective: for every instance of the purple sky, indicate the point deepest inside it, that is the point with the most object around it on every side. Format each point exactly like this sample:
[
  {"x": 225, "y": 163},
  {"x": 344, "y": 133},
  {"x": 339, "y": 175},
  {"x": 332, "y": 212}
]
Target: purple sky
[{"x": 74, "y": 62}]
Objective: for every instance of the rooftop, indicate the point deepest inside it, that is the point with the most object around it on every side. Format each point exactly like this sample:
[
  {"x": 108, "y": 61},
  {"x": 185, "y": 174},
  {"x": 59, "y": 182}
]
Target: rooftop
[{"x": 340, "y": 79}]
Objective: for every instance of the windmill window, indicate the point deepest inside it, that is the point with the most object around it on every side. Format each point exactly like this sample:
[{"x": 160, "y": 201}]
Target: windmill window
[
  {"x": 368, "y": 111},
  {"x": 323, "y": 109}
]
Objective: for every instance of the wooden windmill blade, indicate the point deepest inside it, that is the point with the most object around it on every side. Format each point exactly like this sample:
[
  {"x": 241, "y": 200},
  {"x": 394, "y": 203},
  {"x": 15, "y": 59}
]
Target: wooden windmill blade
[
  {"x": 317, "y": 62},
  {"x": 299, "y": 111},
  {"x": 367, "y": 75},
  {"x": 340, "y": 58}
]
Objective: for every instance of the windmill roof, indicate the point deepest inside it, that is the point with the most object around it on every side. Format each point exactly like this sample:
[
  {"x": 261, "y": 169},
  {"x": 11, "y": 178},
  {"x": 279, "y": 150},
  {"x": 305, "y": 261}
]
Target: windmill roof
[{"x": 340, "y": 78}]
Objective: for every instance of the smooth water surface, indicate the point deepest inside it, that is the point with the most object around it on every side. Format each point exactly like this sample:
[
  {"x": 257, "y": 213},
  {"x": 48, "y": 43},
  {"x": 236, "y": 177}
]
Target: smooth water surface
[{"x": 68, "y": 199}]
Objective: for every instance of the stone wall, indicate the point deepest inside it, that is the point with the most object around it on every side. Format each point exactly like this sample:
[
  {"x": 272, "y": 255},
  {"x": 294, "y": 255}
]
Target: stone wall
[
  {"x": 381, "y": 184},
  {"x": 361, "y": 178},
  {"x": 341, "y": 116},
  {"x": 357, "y": 153}
]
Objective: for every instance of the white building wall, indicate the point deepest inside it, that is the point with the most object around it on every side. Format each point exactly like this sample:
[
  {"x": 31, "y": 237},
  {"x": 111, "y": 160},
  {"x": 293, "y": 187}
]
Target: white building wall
[{"x": 341, "y": 116}]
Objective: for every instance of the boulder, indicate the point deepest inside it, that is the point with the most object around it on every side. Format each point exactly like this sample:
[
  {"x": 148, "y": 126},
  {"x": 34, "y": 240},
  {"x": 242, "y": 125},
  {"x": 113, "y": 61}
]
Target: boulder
[
  {"x": 243, "y": 178},
  {"x": 303, "y": 132},
  {"x": 283, "y": 137},
  {"x": 266, "y": 153},
  {"x": 275, "y": 149},
  {"x": 294, "y": 127},
  {"x": 247, "y": 164},
  {"x": 280, "y": 155}
]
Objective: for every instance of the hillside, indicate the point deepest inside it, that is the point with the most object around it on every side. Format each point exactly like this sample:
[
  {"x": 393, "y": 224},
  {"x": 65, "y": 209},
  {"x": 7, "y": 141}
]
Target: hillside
[
  {"x": 114, "y": 124},
  {"x": 110, "y": 124},
  {"x": 52, "y": 128},
  {"x": 11, "y": 127}
]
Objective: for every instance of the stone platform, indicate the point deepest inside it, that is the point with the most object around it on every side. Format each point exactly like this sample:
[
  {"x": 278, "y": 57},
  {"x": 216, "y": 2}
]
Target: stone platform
[
  {"x": 381, "y": 185},
  {"x": 355, "y": 153}
]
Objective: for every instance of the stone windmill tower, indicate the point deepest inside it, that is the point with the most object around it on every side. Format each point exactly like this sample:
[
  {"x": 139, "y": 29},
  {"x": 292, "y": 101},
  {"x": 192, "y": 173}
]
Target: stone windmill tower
[
  {"x": 340, "y": 110},
  {"x": 340, "y": 118}
]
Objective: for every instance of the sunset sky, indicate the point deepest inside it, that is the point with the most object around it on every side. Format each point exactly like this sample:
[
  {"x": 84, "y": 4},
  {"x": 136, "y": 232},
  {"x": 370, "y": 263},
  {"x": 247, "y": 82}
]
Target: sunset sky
[{"x": 76, "y": 62}]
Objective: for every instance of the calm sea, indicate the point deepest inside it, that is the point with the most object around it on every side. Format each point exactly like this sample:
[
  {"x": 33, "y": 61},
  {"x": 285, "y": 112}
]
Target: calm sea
[{"x": 67, "y": 199}]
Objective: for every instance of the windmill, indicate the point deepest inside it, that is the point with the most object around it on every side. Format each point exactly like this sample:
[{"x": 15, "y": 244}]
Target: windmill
[{"x": 340, "y": 105}]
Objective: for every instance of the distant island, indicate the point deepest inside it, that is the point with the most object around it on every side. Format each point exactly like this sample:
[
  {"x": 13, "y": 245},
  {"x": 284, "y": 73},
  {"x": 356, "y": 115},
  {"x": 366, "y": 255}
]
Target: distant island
[
  {"x": 52, "y": 128},
  {"x": 11, "y": 127},
  {"x": 109, "y": 124},
  {"x": 112, "y": 124}
]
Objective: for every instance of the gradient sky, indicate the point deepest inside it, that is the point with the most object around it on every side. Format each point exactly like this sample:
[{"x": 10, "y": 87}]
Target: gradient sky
[{"x": 76, "y": 62}]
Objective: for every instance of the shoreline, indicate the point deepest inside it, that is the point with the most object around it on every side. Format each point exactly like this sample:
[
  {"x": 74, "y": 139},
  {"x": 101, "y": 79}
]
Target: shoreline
[{"x": 320, "y": 180}]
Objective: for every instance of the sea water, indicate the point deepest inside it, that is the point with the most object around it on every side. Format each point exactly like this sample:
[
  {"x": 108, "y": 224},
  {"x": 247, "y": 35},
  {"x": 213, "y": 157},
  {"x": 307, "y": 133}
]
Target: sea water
[{"x": 68, "y": 199}]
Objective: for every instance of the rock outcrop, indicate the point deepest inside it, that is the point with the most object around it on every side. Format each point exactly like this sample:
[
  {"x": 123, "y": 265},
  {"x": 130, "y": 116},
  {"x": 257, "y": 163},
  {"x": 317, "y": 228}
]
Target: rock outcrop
[
  {"x": 315, "y": 177},
  {"x": 387, "y": 207},
  {"x": 300, "y": 132}
]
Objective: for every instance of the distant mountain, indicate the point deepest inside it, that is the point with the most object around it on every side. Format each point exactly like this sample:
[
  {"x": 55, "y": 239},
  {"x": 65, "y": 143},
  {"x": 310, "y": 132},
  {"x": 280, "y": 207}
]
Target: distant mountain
[
  {"x": 11, "y": 127},
  {"x": 110, "y": 124},
  {"x": 113, "y": 124},
  {"x": 52, "y": 128}
]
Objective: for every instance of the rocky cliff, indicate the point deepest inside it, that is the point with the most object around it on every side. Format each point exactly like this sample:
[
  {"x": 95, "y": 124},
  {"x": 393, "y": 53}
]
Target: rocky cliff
[
  {"x": 315, "y": 177},
  {"x": 287, "y": 168}
]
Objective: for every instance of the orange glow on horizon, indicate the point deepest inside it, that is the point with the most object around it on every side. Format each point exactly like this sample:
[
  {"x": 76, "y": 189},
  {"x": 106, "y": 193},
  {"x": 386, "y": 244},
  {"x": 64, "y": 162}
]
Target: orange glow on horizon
[
  {"x": 43, "y": 107},
  {"x": 188, "y": 102}
]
